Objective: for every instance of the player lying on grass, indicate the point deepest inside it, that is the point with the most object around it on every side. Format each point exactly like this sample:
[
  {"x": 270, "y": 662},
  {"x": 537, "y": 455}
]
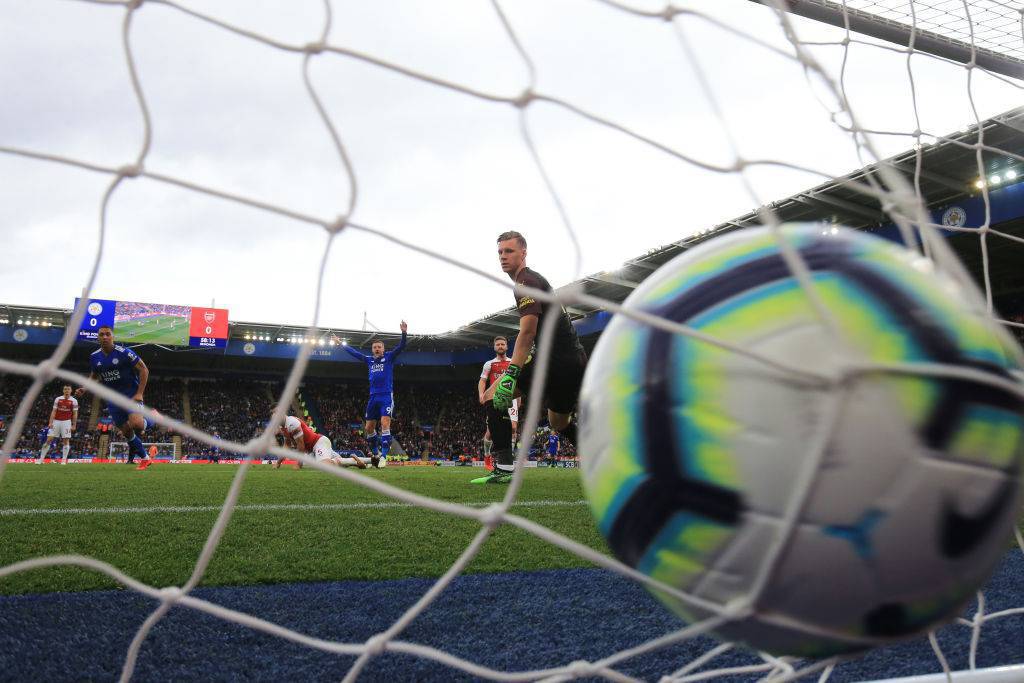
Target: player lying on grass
[
  {"x": 119, "y": 368},
  {"x": 300, "y": 437}
]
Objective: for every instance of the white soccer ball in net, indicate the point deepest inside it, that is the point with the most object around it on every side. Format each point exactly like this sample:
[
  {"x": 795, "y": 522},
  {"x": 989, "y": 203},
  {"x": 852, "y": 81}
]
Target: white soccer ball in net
[{"x": 861, "y": 496}]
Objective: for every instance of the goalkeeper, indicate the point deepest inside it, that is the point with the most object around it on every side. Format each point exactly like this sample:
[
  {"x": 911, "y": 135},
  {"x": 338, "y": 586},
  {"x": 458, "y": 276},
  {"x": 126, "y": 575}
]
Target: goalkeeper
[{"x": 565, "y": 367}]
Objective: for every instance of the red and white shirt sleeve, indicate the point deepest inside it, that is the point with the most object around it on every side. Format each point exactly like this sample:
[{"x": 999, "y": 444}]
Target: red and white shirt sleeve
[{"x": 64, "y": 408}]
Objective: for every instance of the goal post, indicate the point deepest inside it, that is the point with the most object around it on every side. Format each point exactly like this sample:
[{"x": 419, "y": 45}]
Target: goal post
[
  {"x": 894, "y": 22},
  {"x": 998, "y": 674}
]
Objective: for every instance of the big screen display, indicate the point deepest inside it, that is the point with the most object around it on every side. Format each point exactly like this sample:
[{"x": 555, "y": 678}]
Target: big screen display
[{"x": 144, "y": 323}]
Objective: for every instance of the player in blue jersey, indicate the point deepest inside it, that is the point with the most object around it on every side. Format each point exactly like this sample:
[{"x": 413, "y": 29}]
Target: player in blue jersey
[
  {"x": 119, "y": 368},
  {"x": 381, "y": 405},
  {"x": 552, "y": 449}
]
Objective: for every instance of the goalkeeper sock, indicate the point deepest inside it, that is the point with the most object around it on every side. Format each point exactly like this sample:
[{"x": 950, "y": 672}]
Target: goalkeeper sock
[
  {"x": 487, "y": 446},
  {"x": 372, "y": 439},
  {"x": 64, "y": 451},
  {"x": 385, "y": 442},
  {"x": 569, "y": 432},
  {"x": 506, "y": 461}
]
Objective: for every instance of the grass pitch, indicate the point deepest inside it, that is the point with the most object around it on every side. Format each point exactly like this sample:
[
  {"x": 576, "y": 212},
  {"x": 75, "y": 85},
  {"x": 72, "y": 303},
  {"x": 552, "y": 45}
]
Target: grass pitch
[{"x": 290, "y": 526}]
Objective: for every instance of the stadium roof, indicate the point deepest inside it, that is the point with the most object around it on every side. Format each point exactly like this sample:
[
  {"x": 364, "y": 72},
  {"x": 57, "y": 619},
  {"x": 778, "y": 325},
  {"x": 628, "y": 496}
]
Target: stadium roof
[
  {"x": 987, "y": 33},
  {"x": 949, "y": 171}
]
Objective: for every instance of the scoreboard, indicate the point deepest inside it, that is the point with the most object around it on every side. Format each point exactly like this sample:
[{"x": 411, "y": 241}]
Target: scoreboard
[
  {"x": 208, "y": 327},
  {"x": 146, "y": 323}
]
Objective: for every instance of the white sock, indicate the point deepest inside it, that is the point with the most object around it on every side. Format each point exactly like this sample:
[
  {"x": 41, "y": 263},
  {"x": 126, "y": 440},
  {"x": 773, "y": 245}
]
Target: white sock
[
  {"x": 487, "y": 446},
  {"x": 64, "y": 451},
  {"x": 46, "y": 449}
]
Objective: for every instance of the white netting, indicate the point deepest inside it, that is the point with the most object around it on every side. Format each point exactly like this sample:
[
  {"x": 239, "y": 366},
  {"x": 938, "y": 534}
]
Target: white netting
[
  {"x": 987, "y": 24},
  {"x": 895, "y": 195}
]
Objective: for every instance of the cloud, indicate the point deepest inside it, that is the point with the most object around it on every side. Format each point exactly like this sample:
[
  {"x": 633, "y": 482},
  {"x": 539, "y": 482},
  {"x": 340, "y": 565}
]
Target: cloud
[{"x": 432, "y": 166}]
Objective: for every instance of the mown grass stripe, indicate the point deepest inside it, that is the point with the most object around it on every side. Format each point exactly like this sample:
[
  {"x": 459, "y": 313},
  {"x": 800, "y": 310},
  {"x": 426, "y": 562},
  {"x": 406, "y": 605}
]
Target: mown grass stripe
[{"x": 14, "y": 512}]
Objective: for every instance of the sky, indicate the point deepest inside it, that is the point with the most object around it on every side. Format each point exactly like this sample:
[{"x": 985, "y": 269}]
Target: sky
[{"x": 433, "y": 167}]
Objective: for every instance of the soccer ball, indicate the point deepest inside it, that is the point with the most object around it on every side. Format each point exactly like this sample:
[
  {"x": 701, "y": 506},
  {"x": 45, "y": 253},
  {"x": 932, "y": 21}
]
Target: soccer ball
[{"x": 819, "y": 516}]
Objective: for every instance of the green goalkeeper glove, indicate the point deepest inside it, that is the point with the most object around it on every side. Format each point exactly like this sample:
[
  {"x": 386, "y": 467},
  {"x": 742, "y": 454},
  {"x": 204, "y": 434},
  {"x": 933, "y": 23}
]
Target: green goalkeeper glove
[{"x": 505, "y": 390}]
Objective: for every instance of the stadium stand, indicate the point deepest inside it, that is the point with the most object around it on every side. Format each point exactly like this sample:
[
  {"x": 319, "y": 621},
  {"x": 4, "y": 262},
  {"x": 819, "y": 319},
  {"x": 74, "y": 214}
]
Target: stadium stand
[
  {"x": 432, "y": 420},
  {"x": 165, "y": 396},
  {"x": 340, "y": 407},
  {"x": 235, "y": 410},
  {"x": 83, "y": 441},
  {"x": 459, "y": 425}
]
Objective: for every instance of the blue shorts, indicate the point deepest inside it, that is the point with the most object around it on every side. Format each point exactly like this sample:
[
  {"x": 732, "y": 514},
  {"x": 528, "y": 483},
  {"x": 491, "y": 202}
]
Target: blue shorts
[
  {"x": 119, "y": 415},
  {"x": 379, "y": 406}
]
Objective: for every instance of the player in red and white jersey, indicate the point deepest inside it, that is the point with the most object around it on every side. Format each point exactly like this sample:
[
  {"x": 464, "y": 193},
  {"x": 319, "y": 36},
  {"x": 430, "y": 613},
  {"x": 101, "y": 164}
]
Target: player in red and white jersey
[
  {"x": 63, "y": 421},
  {"x": 492, "y": 371},
  {"x": 301, "y": 437}
]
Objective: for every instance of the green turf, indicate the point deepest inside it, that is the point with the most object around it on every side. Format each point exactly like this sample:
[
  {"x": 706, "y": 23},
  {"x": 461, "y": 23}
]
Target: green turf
[
  {"x": 269, "y": 546},
  {"x": 163, "y": 329}
]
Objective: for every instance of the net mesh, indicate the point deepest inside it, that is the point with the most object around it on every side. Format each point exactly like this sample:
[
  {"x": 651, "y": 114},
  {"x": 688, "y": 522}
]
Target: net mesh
[
  {"x": 991, "y": 25},
  {"x": 896, "y": 195}
]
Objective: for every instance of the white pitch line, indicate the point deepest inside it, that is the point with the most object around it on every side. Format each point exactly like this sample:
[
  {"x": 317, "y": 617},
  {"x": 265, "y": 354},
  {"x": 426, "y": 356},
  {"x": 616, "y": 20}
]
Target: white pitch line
[{"x": 14, "y": 512}]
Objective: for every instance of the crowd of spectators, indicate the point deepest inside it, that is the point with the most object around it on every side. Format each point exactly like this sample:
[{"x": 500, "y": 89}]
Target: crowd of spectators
[
  {"x": 430, "y": 420},
  {"x": 539, "y": 446},
  {"x": 459, "y": 430},
  {"x": 341, "y": 406},
  {"x": 33, "y": 434},
  {"x": 441, "y": 421},
  {"x": 340, "y": 410},
  {"x": 12, "y": 388},
  {"x": 164, "y": 396},
  {"x": 235, "y": 410},
  {"x": 130, "y": 310}
]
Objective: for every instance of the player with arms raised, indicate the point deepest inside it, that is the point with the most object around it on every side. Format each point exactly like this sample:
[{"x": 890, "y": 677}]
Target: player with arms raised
[
  {"x": 63, "y": 421},
  {"x": 565, "y": 367},
  {"x": 301, "y": 437},
  {"x": 119, "y": 368},
  {"x": 492, "y": 371},
  {"x": 381, "y": 405}
]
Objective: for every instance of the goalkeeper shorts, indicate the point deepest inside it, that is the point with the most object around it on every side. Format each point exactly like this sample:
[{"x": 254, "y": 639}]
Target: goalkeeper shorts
[{"x": 564, "y": 379}]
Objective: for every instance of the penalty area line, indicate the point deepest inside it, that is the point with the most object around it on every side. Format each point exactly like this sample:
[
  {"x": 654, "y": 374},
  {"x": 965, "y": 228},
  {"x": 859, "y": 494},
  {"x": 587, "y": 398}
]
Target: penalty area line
[{"x": 260, "y": 507}]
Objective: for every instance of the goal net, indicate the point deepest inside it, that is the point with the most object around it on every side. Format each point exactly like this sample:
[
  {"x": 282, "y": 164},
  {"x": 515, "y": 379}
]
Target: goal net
[
  {"x": 602, "y": 129},
  {"x": 118, "y": 450}
]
